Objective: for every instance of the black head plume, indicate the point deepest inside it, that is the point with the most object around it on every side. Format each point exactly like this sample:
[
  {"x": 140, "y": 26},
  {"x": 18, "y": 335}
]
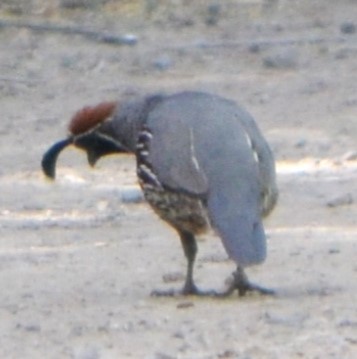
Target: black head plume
[{"x": 49, "y": 159}]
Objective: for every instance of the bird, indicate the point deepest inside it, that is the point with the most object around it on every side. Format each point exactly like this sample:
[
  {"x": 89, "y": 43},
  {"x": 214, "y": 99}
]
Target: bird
[{"x": 202, "y": 163}]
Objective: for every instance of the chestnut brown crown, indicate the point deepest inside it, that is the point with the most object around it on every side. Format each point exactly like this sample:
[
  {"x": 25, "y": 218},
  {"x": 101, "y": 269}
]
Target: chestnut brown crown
[{"x": 89, "y": 117}]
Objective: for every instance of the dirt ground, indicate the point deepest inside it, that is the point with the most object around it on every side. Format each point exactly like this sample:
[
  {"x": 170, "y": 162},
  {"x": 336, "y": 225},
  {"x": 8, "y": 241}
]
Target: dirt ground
[{"x": 78, "y": 263}]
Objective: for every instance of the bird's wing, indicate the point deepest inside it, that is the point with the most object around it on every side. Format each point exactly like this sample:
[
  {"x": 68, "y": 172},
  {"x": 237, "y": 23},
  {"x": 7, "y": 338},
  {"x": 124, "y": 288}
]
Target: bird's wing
[
  {"x": 266, "y": 163},
  {"x": 172, "y": 153}
]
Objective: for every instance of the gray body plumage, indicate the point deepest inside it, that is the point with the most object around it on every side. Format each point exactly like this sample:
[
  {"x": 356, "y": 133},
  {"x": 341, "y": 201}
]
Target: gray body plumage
[{"x": 210, "y": 152}]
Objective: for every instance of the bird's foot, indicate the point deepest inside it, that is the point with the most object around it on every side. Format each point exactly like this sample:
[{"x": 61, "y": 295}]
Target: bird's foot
[{"x": 241, "y": 283}]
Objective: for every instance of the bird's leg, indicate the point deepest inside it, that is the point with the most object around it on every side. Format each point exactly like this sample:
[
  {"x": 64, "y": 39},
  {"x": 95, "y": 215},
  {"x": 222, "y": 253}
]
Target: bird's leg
[
  {"x": 241, "y": 283},
  {"x": 189, "y": 246}
]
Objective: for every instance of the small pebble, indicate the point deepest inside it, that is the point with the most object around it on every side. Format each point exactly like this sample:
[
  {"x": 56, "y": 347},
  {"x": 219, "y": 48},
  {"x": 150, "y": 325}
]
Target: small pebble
[
  {"x": 173, "y": 277},
  {"x": 163, "y": 63},
  {"x": 282, "y": 59},
  {"x": 350, "y": 156},
  {"x": 184, "y": 305},
  {"x": 32, "y": 328},
  {"x": 254, "y": 48},
  {"x": 333, "y": 251},
  {"x": 301, "y": 143},
  {"x": 348, "y": 27},
  {"x": 131, "y": 195},
  {"x": 343, "y": 200},
  {"x": 214, "y": 13},
  {"x": 127, "y": 39}
]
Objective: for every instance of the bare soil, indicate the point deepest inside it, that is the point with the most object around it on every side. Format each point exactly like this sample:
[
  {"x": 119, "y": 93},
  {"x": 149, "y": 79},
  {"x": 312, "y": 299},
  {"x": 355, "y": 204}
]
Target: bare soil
[{"x": 77, "y": 263}]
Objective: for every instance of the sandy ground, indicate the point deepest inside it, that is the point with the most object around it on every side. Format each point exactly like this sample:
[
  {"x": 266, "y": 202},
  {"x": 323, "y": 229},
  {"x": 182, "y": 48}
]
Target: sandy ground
[{"x": 77, "y": 264}]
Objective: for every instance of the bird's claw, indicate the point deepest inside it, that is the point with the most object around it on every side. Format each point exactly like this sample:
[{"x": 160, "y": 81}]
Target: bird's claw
[{"x": 241, "y": 283}]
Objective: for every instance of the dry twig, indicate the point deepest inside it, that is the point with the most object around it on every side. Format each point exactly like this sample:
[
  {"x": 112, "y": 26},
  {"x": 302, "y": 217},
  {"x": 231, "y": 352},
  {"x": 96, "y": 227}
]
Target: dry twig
[{"x": 72, "y": 30}]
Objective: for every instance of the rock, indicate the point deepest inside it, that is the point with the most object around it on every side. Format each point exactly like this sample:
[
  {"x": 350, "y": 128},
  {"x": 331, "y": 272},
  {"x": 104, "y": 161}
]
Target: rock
[
  {"x": 342, "y": 200},
  {"x": 282, "y": 59},
  {"x": 185, "y": 304},
  {"x": 301, "y": 143},
  {"x": 131, "y": 194},
  {"x": 348, "y": 27},
  {"x": 254, "y": 48},
  {"x": 163, "y": 62},
  {"x": 334, "y": 251},
  {"x": 214, "y": 13},
  {"x": 350, "y": 156},
  {"x": 32, "y": 328},
  {"x": 126, "y": 39},
  {"x": 173, "y": 277}
]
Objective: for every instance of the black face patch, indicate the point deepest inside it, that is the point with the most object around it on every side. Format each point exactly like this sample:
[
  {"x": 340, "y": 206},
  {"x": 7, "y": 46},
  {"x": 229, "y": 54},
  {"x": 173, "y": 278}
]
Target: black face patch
[{"x": 97, "y": 145}]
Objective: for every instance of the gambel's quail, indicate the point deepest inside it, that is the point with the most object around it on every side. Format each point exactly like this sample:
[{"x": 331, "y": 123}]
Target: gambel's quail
[{"x": 201, "y": 162}]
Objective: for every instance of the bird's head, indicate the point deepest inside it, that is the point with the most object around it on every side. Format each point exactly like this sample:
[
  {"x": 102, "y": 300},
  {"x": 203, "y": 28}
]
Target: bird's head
[{"x": 90, "y": 130}]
